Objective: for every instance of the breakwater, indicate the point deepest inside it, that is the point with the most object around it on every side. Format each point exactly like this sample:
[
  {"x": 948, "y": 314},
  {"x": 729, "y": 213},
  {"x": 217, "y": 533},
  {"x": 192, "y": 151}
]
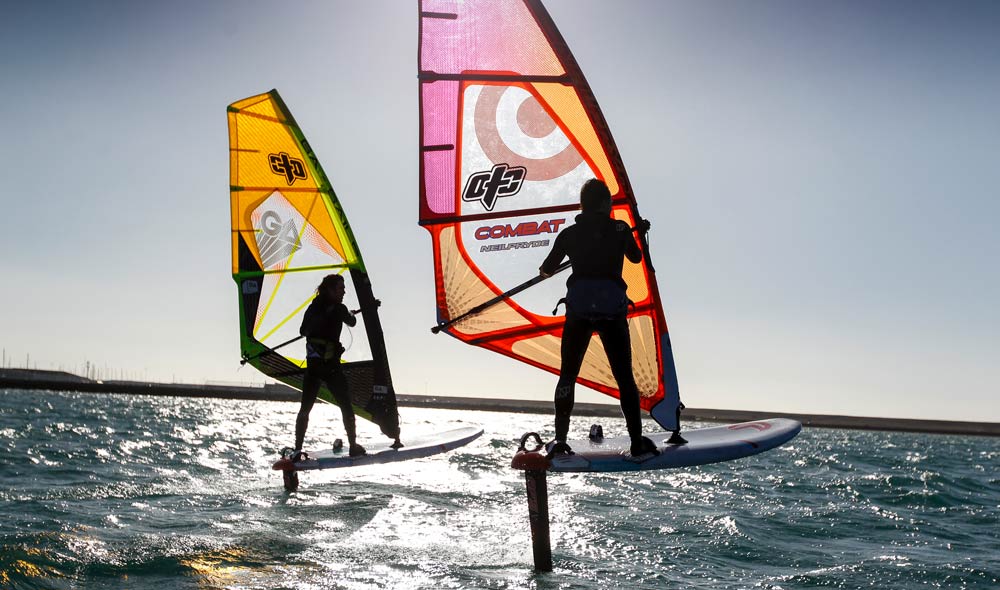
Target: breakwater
[{"x": 59, "y": 381}]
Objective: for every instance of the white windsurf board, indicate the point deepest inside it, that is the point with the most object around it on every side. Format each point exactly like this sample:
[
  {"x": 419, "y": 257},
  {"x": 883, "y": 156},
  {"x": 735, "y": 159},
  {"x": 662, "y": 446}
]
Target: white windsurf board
[
  {"x": 705, "y": 445},
  {"x": 382, "y": 452}
]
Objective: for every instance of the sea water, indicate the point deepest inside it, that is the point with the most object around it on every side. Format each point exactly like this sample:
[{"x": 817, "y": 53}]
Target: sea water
[{"x": 117, "y": 491}]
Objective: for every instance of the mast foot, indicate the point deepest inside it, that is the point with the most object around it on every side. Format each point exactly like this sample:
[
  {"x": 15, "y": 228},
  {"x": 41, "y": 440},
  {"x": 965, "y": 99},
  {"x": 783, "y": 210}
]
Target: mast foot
[{"x": 676, "y": 439}]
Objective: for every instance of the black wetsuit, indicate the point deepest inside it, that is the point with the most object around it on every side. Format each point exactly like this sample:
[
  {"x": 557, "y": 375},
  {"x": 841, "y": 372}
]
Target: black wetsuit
[
  {"x": 597, "y": 246},
  {"x": 321, "y": 325}
]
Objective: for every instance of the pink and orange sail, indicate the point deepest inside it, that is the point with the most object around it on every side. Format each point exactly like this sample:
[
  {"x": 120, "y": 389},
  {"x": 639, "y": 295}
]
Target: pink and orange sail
[{"x": 509, "y": 132}]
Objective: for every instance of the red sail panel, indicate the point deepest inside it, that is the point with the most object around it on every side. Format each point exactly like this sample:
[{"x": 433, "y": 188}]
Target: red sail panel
[{"x": 509, "y": 133}]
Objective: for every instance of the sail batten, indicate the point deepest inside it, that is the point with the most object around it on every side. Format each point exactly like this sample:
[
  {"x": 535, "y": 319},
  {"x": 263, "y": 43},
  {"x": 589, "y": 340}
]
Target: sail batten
[
  {"x": 492, "y": 77},
  {"x": 500, "y": 88},
  {"x": 499, "y": 215},
  {"x": 260, "y": 273}
]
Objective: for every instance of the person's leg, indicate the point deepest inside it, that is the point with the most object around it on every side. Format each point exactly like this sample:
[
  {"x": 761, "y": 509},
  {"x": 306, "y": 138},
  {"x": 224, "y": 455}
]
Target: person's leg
[
  {"x": 575, "y": 340},
  {"x": 618, "y": 346},
  {"x": 310, "y": 387},
  {"x": 337, "y": 382}
]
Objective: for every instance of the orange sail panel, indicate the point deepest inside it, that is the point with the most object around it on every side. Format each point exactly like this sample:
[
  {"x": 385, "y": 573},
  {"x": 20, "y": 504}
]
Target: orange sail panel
[{"x": 509, "y": 132}]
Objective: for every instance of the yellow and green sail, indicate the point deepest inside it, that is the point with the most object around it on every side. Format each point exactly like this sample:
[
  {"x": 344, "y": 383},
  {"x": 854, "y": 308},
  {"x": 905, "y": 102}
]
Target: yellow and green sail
[{"x": 289, "y": 230}]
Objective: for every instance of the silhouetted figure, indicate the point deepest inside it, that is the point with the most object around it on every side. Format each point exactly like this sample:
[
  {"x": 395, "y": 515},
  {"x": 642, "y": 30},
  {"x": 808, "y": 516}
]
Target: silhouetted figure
[
  {"x": 597, "y": 246},
  {"x": 323, "y": 321}
]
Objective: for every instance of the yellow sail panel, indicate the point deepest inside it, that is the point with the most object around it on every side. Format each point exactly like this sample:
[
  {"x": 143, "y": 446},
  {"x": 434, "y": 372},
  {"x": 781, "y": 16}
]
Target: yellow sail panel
[
  {"x": 241, "y": 204},
  {"x": 269, "y": 155},
  {"x": 261, "y": 104},
  {"x": 634, "y": 273},
  {"x": 564, "y": 103},
  {"x": 278, "y": 194}
]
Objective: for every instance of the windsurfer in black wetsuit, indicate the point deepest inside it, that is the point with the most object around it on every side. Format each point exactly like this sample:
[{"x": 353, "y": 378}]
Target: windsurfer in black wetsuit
[
  {"x": 596, "y": 302},
  {"x": 323, "y": 321}
]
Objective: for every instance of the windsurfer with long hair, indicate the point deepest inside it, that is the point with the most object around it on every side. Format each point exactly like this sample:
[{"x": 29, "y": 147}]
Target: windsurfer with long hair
[
  {"x": 321, "y": 325},
  {"x": 597, "y": 246}
]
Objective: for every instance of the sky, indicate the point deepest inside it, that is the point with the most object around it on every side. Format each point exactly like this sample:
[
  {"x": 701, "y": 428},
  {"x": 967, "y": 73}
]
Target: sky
[{"x": 821, "y": 178}]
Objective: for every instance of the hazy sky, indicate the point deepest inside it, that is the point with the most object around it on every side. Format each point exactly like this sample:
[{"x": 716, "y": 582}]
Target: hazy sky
[{"x": 822, "y": 179}]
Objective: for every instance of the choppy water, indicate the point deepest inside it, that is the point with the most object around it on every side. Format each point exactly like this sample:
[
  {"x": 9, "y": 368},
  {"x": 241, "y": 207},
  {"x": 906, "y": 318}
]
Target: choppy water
[{"x": 103, "y": 491}]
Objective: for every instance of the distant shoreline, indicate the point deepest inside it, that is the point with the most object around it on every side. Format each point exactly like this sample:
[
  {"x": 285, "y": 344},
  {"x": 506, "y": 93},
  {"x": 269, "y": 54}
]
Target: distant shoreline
[{"x": 57, "y": 381}]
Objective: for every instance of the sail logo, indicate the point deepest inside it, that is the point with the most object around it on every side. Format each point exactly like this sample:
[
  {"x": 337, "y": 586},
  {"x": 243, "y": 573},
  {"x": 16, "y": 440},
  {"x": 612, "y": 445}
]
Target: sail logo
[
  {"x": 284, "y": 165},
  {"x": 276, "y": 239},
  {"x": 526, "y": 228},
  {"x": 251, "y": 287},
  {"x": 514, "y": 126},
  {"x": 488, "y": 186}
]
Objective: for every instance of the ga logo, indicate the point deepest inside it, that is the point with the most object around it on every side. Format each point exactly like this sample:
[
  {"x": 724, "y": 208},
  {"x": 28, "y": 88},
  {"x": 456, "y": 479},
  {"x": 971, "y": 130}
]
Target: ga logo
[
  {"x": 487, "y": 187},
  {"x": 284, "y": 165},
  {"x": 277, "y": 239}
]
